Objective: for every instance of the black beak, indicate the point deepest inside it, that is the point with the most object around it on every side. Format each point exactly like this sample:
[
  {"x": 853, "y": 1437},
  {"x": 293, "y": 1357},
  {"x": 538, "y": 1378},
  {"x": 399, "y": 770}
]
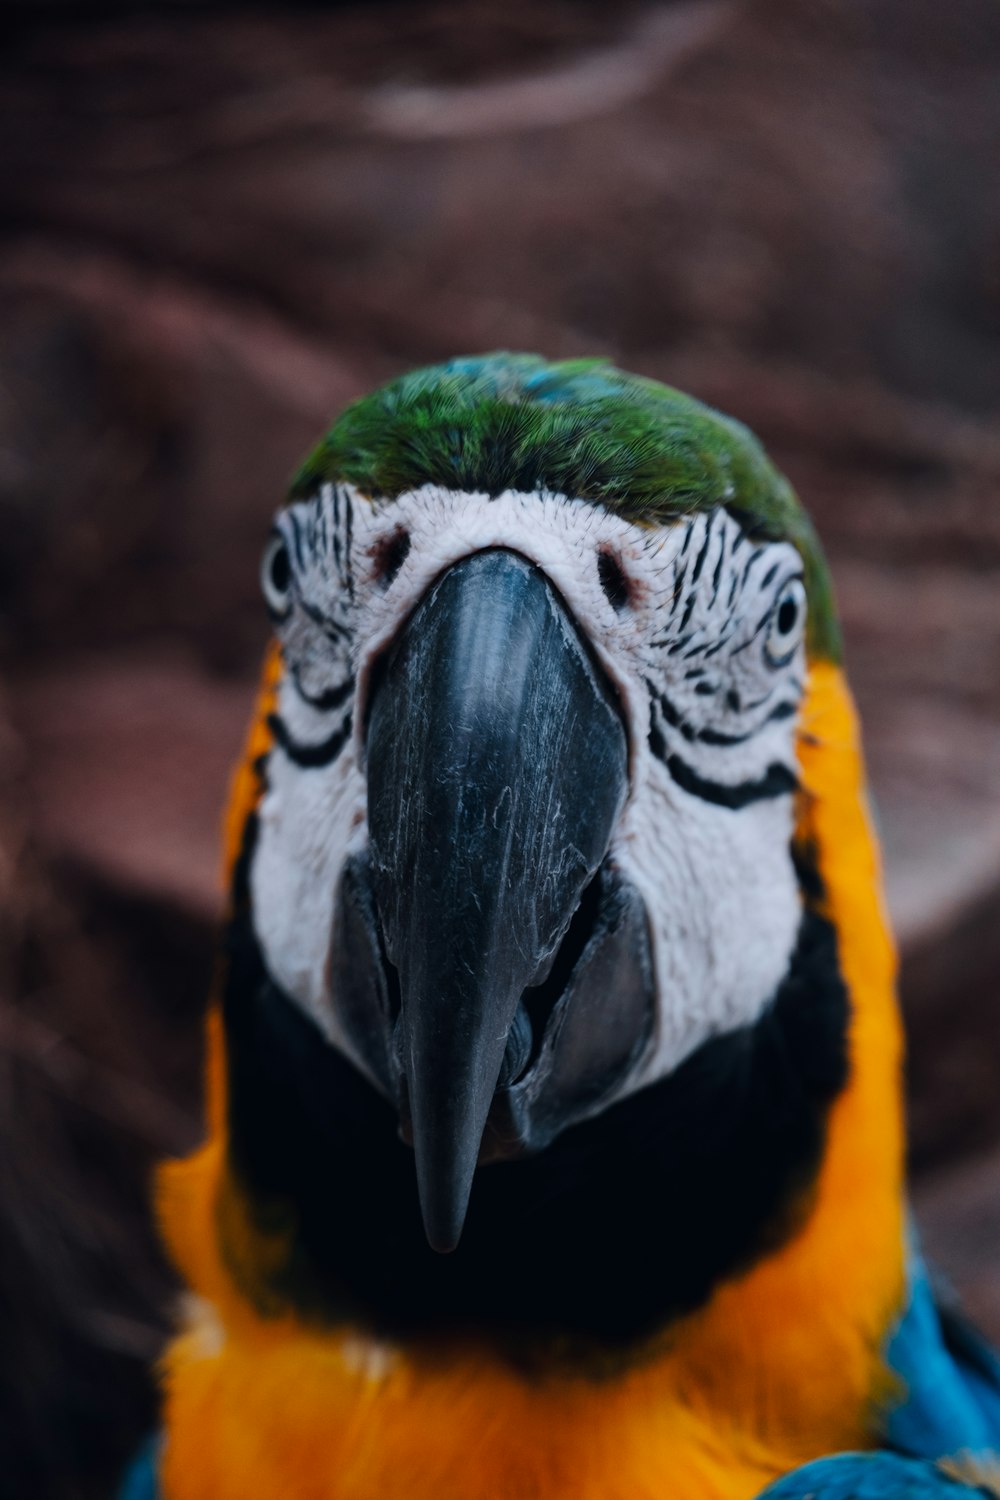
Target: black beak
[{"x": 497, "y": 767}]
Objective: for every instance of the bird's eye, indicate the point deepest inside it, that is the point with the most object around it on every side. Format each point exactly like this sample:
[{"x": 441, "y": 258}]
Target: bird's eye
[
  {"x": 276, "y": 577},
  {"x": 787, "y": 623}
]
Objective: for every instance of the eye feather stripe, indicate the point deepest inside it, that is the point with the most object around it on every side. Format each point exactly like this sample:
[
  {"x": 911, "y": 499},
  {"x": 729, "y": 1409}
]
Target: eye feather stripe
[
  {"x": 699, "y": 561},
  {"x": 714, "y": 736},
  {"x": 670, "y": 713},
  {"x": 755, "y": 556},
  {"x": 657, "y": 743},
  {"x": 720, "y": 645},
  {"x": 297, "y": 538},
  {"x": 336, "y": 531},
  {"x": 777, "y": 781},
  {"x": 705, "y": 567},
  {"x": 330, "y": 627},
  {"x": 348, "y": 544},
  {"x": 331, "y": 698},
  {"x": 737, "y": 650},
  {"x": 717, "y": 575},
  {"x": 672, "y": 647},
  {"x": 310, "y": 757}
]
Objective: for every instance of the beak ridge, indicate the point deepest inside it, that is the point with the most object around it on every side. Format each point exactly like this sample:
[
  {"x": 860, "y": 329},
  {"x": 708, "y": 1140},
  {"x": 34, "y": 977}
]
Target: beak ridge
[{"x": 497, "y": 767}]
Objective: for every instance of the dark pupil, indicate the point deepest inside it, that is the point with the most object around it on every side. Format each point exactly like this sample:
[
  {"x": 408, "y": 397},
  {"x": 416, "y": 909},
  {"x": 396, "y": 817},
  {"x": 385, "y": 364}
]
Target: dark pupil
[
  {"x": 788, "y": 613},
  {"x": 281, "y": 574}
]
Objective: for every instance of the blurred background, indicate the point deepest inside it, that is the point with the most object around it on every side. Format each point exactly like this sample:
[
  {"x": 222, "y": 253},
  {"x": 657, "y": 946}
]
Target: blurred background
[{"x": 219, "y": 223}]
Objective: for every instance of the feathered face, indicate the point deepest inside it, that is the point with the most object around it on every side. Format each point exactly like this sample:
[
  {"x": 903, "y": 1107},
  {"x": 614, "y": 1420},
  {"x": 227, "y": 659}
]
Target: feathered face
[{"x": 526, "y": 836}]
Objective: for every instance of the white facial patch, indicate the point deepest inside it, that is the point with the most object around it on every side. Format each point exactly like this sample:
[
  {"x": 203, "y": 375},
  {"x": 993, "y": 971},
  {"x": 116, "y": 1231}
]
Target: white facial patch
[{"x": 701, "y": 631}]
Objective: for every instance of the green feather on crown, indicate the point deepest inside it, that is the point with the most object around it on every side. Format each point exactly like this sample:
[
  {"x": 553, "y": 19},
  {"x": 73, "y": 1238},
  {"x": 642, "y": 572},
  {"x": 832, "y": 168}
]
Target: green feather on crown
[{"x": 579, "y": 427}]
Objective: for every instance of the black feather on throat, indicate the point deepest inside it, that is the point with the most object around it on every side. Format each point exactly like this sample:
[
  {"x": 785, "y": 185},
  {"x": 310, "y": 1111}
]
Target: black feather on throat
[{"x": 587, "y": 1251}]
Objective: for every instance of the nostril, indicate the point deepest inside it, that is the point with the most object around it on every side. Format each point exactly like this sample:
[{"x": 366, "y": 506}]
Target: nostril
[
  {"x": 389, "y": 556},
  {"x": 613, "y": 580}
]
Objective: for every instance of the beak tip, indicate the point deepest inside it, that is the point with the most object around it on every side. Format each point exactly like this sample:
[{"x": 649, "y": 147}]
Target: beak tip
[
  {"x": 444, "y": 1219},
  {"x": 441, "y": 1244},
  {"x": 444, "y": 1184}
]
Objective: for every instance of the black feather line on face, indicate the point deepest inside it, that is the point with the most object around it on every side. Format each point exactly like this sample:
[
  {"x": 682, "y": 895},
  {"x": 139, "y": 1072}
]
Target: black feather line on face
[
  {"x": 777, "y": 781},
  {"x": 707, "y": 736},
  {"x": 310, "y": 757},
  {"x": 589, "y": 1248},
  {"x": 330, "y": 698}
]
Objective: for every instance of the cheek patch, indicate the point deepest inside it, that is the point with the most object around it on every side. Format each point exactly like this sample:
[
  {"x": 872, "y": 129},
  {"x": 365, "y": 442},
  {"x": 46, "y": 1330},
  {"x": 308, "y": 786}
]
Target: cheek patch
[{"x": 677, "y": 617}]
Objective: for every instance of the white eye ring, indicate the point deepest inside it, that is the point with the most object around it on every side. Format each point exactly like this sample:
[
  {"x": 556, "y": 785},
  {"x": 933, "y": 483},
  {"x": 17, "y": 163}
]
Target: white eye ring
[
  {"x": 276, "y": 577},
  {"x": 787, "y": 624}
]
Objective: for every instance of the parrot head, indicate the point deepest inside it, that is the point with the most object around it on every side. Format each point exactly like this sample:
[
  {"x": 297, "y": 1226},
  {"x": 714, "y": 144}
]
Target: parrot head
[{"x": 521, "y": 856}]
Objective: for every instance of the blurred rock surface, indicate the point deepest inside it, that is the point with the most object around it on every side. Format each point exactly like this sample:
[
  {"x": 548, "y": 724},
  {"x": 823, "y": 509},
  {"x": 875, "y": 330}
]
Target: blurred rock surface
[{"x": 222, "y": 222}]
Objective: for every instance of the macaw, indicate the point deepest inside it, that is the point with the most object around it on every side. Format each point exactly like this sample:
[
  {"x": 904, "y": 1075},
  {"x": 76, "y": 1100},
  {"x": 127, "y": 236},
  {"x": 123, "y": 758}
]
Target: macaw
[{"x": 555, "y": 1144}]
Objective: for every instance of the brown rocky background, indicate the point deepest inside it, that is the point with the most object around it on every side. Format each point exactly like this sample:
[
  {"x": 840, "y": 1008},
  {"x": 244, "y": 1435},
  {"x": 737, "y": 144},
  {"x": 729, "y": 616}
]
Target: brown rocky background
[{"x": 218, "y": 223}]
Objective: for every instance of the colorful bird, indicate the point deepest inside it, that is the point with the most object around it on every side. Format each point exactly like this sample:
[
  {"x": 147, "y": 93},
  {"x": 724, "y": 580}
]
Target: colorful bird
[{"x": 555, "y": 1142}]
